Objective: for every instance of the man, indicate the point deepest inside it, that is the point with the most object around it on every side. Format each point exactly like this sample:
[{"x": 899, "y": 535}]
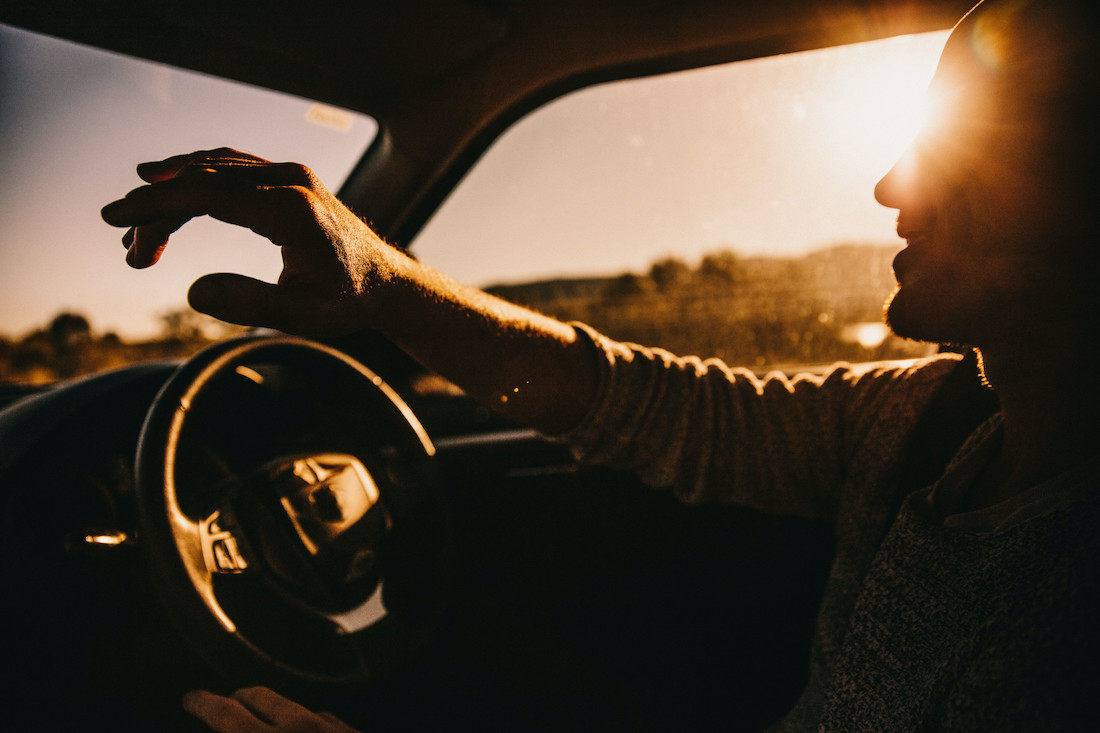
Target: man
[{"x": 968, "y": 605}]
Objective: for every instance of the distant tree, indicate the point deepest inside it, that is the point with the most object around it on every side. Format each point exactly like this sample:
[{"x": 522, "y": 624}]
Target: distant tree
[
  {"x": 70, "y": 339},
  {"x": 629, "y": 284},
  {"x": 69, "y": 331},
  {"x": 34, "y": 356},
  {"x": 7, "y": 350},
  {"x": 188, "y": 326},
  {"x": 181, "y": 325},
  {"x": 722, "y": 269},
  {"x": 670, "y": 273}
]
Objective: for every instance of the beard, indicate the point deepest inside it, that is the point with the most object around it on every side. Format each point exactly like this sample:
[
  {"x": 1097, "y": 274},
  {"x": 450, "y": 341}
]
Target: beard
[
  {"x": 900, "y": 320},
  {"x": 907, "y": 319}
]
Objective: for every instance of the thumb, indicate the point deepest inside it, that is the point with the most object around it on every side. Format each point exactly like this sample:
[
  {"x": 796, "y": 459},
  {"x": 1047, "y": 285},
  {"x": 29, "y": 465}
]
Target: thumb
[{"x": 238, "y": 299}]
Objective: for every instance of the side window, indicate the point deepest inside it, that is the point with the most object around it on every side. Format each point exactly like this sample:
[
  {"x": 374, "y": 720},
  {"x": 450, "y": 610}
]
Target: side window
[
  {"x": 74, "y": 121},
  {"x": 724, "y": 212}
]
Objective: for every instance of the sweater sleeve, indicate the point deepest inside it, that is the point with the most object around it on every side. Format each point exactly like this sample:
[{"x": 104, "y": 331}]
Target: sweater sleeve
[{"x": 716, "y": 434}]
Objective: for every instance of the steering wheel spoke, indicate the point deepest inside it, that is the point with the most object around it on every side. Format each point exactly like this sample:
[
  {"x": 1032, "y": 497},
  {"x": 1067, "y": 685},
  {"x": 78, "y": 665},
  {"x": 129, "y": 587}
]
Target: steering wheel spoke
[{"x": 223, "y": 551}]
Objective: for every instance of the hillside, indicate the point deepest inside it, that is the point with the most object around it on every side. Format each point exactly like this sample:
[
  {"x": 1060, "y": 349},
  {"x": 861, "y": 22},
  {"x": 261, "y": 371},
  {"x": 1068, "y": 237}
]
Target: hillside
[{"x": 751, "y": 311}]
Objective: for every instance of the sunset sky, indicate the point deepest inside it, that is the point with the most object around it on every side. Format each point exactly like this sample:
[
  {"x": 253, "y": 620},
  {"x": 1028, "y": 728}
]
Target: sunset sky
[
  {"x": 74, "y": 123},
  {"x": 777, "y": 155}
]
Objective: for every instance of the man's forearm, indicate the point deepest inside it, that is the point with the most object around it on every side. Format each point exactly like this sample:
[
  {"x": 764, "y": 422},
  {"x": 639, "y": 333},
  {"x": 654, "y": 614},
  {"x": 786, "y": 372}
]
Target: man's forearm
[{"x": 530, "y": 367}]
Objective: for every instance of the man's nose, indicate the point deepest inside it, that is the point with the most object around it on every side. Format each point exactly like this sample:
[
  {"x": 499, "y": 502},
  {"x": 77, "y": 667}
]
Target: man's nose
[{"x": 893, "y": 187}]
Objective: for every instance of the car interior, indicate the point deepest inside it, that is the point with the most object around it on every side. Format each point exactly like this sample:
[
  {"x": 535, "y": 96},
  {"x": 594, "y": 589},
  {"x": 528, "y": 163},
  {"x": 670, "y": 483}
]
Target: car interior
[{"x": 487, "y": 580}]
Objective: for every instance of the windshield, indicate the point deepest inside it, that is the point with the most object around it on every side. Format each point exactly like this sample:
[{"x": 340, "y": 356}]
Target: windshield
[
  {"x": 725, "y": 211},
  {"x": 73, "y": 124}
]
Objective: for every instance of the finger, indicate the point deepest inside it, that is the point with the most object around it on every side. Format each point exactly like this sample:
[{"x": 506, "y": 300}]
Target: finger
[
  {"x": 160, "y": 170},
  {"x": 250, "y": 167},
  {"x": 271, "y": 706},
  {"x": 245, "y": 198},
  {"x": 223, "y": 714},
  {"x": 147, "y": 242},
  {"x": 269, "y": 174},
  {"x": 230, "y": 198},
  {"x": 285, "y": 307},
  {"x": 239, "y": 299}
]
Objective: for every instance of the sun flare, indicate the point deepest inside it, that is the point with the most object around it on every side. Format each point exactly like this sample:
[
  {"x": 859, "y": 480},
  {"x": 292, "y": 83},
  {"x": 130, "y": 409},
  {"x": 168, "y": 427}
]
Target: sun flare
[{"x": 875, "y": 114}]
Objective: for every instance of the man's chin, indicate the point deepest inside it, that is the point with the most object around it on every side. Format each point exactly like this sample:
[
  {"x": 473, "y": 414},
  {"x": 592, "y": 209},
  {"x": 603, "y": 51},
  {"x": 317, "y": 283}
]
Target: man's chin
[{"x": 901, "y": 319}]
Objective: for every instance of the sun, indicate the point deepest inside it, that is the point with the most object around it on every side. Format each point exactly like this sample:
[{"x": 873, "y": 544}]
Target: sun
[{"x": 873, "y": 114}]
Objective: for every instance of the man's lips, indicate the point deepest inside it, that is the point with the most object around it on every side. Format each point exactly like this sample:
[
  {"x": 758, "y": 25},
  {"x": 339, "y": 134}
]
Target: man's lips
[
  {"x": 913, "y": 225},
  {"x": 905, "y": 260},
  {"x": 916, "y": 231}
]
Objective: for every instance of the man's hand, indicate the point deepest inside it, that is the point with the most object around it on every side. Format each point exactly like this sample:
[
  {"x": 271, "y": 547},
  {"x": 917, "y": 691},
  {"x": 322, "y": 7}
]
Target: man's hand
[
  {"x": 339, "y": 277},
  {"x": 258, "y": 709},
  {"x": 330, "y": 257}
]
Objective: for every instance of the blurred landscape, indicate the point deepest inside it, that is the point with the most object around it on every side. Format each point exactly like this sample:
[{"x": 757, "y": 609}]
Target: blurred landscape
[
  {"x": 69, "y": 346},
  {"x": 749, "y": 311}
]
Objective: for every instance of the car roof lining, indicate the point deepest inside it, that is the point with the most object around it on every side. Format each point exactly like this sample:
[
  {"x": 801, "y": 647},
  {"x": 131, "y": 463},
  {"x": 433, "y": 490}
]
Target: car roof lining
[{"x": 446, "y": 77}]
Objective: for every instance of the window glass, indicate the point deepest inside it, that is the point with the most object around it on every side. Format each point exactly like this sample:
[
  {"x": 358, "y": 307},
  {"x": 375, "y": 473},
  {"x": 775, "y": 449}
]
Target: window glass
[
  {"x": 74, "y": 121},
  {"x": 725, "y": 211}
]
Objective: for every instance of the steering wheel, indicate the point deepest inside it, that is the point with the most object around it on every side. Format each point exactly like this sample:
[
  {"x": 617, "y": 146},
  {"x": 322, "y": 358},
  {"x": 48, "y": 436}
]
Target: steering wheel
[{"x": 291, "y": 515}]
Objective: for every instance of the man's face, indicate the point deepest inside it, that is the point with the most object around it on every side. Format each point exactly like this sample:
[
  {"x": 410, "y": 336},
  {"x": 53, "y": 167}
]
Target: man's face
[{"x": 983, "y": 214}]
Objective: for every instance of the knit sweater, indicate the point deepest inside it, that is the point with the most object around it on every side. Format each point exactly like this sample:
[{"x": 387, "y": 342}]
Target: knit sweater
[{"x": 930, "y": 620}]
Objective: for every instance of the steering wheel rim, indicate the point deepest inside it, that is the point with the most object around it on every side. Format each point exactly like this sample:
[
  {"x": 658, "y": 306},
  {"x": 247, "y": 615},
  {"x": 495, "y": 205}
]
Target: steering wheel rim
[{"x": 205, "y": 556}]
